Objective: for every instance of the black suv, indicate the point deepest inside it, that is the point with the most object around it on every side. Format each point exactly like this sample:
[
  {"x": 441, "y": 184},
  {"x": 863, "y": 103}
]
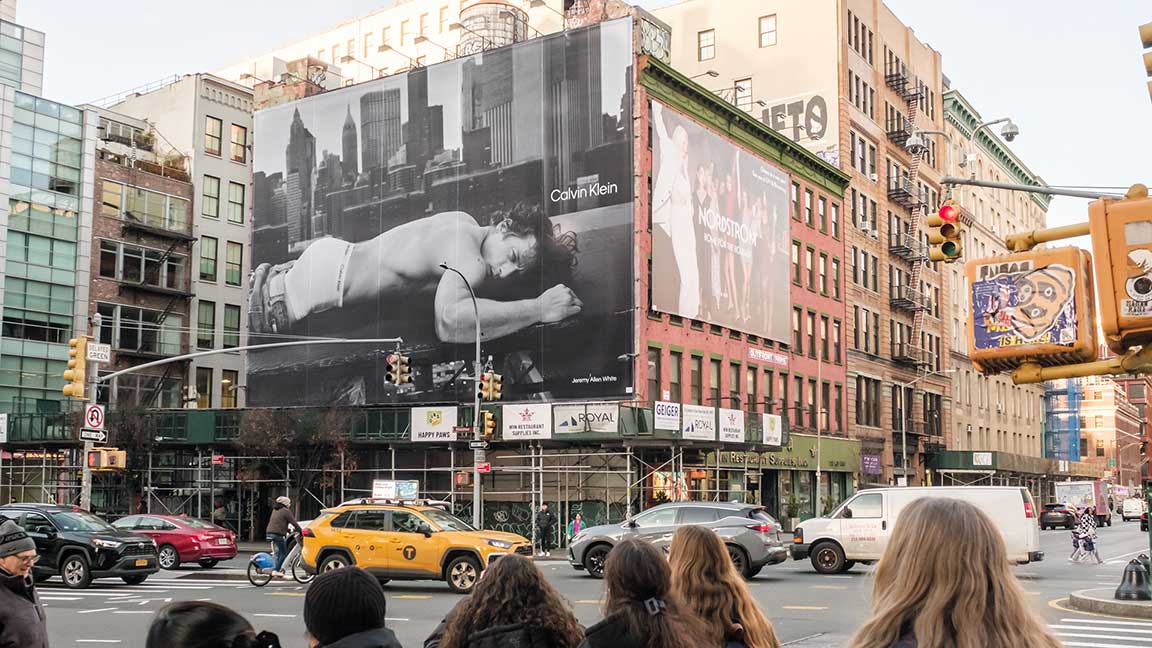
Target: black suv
[{"x": 79, "y": 546}]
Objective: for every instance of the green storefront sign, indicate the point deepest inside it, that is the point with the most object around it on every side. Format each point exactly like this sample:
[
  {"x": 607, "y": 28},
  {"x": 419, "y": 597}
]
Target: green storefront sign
[{"x": 836, "y": 455}]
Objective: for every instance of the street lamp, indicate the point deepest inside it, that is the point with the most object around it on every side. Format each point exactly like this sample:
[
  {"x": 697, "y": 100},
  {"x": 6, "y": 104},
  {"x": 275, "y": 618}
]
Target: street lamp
[
  {"x": 476, "y": 491},
  {"x": 904, "y": 417},
  {"x": 709, "y": 73},
  {"x": 1009, "y": 132}
]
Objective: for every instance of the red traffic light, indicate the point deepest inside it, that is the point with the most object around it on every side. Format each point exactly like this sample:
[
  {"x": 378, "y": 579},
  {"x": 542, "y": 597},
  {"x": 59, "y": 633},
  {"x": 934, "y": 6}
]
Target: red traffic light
[
  {"x": 393, "y": 358},
  {"x": 949, "y": 213}
]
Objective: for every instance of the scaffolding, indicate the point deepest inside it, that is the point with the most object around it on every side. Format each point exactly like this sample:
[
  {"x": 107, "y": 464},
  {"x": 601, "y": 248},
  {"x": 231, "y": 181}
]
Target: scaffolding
[{"x": 1062, "y": 401}]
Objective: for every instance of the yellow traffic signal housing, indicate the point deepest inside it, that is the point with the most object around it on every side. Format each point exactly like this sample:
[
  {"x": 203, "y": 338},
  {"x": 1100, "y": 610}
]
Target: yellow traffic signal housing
[
  {"x": 944, "y": 233},
  {"x": 75, "y": 374},
  {"x": 1036, "y": 306},
  {"x": 398, "y": 369},
  {"x": 1122, "y": 242},
  {"x": 495, "y": 386},
  {"x": 107, "y": 459},
  {"x": 488, "y": 424},
  {"x": 1146, "y": 40}
]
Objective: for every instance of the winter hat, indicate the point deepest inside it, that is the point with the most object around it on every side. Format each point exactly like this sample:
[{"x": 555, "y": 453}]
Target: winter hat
[
  {"x": 283, "y": 500},
  {"x": 343, "y": 602},
  {"x": 13, "y": 540}
]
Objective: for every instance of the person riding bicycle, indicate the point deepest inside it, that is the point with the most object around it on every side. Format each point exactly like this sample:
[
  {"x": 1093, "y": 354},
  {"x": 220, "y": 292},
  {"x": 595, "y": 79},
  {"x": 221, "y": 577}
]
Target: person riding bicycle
[{"x": 279, "y": 524}]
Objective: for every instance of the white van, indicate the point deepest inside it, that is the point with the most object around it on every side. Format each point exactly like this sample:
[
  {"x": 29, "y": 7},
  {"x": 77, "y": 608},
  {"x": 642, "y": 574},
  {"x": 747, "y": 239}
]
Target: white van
[
  {"x": 1133, "y": 508},
  {"x": 859, "y": 529}
]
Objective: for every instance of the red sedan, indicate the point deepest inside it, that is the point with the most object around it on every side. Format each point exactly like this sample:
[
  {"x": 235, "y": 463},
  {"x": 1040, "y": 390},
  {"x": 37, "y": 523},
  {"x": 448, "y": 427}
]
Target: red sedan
[{"x": 183, "y": 539}]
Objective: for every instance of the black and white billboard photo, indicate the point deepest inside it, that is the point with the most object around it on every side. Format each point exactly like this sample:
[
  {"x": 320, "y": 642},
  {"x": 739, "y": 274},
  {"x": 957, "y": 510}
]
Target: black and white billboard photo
[
  {"x": 512, "y": 166},
  {"x": 720, "y": 234}
]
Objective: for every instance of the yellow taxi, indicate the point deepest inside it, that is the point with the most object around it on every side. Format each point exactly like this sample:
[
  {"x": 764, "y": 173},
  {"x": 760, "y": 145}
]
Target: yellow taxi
[{"x": 405, "y": 541}]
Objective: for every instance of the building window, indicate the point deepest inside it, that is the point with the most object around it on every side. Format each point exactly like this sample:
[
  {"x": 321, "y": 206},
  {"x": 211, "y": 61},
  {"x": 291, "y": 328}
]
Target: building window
[
  {"x": 809, "y": 267},
  {"x": 235, "y": 202},
  {"x": 443, "y": 19},
  {"x": 836, "y": 278},
  {"x": 808, "y": 207},
  {"x": 714, "y": 382},
  {"x": 1099, "y": 447},
  {"x": 204, "y": 387},
  {"x": 750, "y": 386},
  {"x": 797, "y": 336},
  {"x": 823, "y": 274},
  {"x": 796, "y": 262},
  {"x": 811, "y": 330},
  {"x": 231, "y": 326},
  {"x": 1136, "y": 391},
  {"x": 795, "y": 201},
  {"x": 1098, "y": 423},
  {"x": 675, "y": 360},
  {"x": 206, "y": 325},
  {"x": 208, "y": 258},
  {"x": 210, "y": 202},
  {"x": 734, "y": 386},
  {"x": 706, "y": 45},
  {"x": 823, "y": 213},
  {"x": 798, "y": 402},
  {"x": 695, "y": 369},
  {"x": 742, "y": 91},
  {"x": 240, "y": 134},
  {"x": 824, "y": 338},
  {"x": 654, "y": 375},
  {"x": 836, "y": 343},
  {"x": 768, "y": 30},
  {"x": 369, "y": 45},
  {"x": 835, "y": 221},
  {"x": 229, "y": 385},
  {"x": 867, "y": 401},
  {"x": 213, "y": 132},
  {"x": 233, "y": 262},
  {"x": 838, "y": 407}
]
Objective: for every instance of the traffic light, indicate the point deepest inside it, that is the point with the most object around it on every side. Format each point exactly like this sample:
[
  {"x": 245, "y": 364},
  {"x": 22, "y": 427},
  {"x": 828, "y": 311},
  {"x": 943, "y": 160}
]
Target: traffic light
[
  {"x": 1121, "y": 232},
  {"x": 398, "y": 371},
  {"x": 74, "y": 375},
  {"x": 944, "y": 233},
  {"x": 107, "y": 459},
  {"x": 1146, "y": 39},
  {"x": 487, "y": 424},
  {"x": 490, "y": 385}
]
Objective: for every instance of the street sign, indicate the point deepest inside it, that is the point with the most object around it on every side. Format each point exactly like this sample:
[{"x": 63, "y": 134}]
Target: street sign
[
  {"x": 462, "y": 429},
  {"x": 217, "y": 460},
  {"x": 95, "y": 436},
  {"x": 478, "y": 445},
  {"x": 98, "y": 352},
  {"x": 483, "y": 467},
  {"x": 94, "y": 416}
]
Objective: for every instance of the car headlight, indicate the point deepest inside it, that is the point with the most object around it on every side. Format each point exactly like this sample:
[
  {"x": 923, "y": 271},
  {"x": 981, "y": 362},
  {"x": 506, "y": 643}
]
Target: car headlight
[
  {"x": 579, "y": 536},
  {"x": 106, "y": 544},
  {"x": 500, "y": 544}
]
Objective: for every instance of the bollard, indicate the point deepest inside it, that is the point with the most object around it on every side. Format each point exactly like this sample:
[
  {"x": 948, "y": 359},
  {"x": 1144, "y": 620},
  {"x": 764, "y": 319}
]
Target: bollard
[{"x": 1134, "y": 583}]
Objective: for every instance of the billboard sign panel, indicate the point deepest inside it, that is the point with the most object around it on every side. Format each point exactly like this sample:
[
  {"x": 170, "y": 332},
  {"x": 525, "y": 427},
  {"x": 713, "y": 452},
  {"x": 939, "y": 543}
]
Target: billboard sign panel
[
  {"x": 586, "y": 417},
  {"x": 720, "y": 233},
  {"x": 513, "y": 167},
  {"x": 698, "y": 423},
  {"x": 434, "y": 424},
  {"x": 666, "y": 415},
  {"x": 773, "y": 429},
  {"x": 526, "y": 422},
  {"x": 731, "y": 425}
]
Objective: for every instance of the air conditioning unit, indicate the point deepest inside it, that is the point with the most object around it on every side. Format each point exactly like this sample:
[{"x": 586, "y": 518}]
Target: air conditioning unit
[
  {"x": 999, "y": 408},
  {"x": 875, "y": 233},
  {"x": 874, "y": 177}
]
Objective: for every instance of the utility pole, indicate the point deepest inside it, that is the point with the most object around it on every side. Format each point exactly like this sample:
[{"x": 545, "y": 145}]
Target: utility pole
[
  {"x": 92, "y": 370},
  {"x": 478, "y": 455}
]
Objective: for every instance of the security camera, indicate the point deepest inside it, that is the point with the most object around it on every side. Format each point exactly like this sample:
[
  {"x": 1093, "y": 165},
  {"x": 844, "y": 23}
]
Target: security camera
[{"x": 1010, "y": 131}]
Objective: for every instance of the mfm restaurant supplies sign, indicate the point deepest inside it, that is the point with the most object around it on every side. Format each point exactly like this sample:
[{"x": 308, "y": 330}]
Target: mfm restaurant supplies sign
[{"x": 527, "y": 422}]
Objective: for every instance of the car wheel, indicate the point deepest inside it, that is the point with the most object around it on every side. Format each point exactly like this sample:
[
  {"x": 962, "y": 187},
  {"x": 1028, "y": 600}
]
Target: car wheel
[
  {"x": 75, "y": 572},
  {"x": 739, "y": 559},
  {"x": 168, "y": 556},
  {"x": 462, "y": 574},
  {"x": 828, "y": 558},
  {"x": 334, "y": 562},
  {"x": 208, "y": 563},
  {"x": 135, "y": 580},
  {"x": 594, "y": 560}
]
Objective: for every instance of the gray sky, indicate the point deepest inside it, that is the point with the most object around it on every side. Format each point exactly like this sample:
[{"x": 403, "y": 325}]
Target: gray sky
[{"x": 1072, "y": 80}]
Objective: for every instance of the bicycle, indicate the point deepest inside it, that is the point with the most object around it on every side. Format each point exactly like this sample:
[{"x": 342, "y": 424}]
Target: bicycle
[{"x": 262, "y": 566}]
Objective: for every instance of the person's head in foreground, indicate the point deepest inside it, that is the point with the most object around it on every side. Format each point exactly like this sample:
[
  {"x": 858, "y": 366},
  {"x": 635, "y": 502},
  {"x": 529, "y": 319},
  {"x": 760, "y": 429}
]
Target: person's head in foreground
[
  {"x": 17, "y": 550},
  {"x": 706, "y": 580},
  {"x": 346, "y": 607},
  {"x": 201, "y": 624},
  {"x": 513, "y": 592},
  {"x": 639, "y": 592},
  {"x": 945, "y": 582}
]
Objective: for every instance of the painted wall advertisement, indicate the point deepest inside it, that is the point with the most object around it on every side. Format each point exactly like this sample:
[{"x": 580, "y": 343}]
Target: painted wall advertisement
[
  {"x": 586, "y": 417},
  {"x": 698, "y": 423},
  {"x": 434, "y": 424},
  {"x": 731, "y": 425},
  {"x": 513, "y": 167},
  {"x": 526, "y": 422},
  {"x": 1015, "y": 304},
  {"x": 773, "y": 429},
  {"x": 666, "y": 415}
]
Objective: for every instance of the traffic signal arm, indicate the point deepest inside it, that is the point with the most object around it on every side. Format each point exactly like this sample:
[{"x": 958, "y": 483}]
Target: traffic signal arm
[
  {"x": 1027, "y": 240},
  {"x": 1134, "y": 362}
]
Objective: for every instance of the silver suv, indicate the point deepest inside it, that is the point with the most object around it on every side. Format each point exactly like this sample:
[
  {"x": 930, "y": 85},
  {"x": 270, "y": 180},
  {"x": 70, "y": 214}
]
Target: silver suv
[{"x": 751, "y": 535}]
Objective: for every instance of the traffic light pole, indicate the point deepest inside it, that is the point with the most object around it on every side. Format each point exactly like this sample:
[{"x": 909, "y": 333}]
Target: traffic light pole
[{"x": 92, "y": 381}]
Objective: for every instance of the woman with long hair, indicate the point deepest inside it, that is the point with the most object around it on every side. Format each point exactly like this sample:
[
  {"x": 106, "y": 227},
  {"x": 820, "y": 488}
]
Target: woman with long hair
[
  {"x": 708, "y": 583},
  {"x": 945, "y": 582},
  {"x": 201, "y": 624},
  {"x": 641, "y": 610},
  {"x": 512, "y": 605}
]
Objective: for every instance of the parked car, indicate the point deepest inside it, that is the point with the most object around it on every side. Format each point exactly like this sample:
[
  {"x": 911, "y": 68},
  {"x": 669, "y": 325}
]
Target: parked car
[
  {"x": 183, "y": 539},
  {"x": 1132, "y": 508},
  {"x": 80, "y": 546},
  {"x": 1056, "y": 514},
  {"x": 859, "y": 530},
  {"x": 751, "y": 535}
]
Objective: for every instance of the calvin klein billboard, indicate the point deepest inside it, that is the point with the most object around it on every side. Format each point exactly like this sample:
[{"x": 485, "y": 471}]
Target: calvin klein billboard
[{"x": 513, "y": 167}]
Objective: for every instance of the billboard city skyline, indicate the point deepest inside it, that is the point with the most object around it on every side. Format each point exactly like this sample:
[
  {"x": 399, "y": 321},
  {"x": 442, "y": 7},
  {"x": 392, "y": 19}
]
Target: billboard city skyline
[
  {"x": 720, "y": 230},
  {"x": 512, "y": 166}
]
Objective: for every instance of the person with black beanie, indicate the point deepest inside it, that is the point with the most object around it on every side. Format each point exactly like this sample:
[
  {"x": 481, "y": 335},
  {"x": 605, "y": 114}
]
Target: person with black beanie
[{"x": 344, "y": 608}]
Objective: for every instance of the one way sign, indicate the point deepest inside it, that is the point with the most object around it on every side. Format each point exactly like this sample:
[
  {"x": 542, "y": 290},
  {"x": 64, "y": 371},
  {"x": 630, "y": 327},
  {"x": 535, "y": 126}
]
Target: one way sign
[{"x": 95, "y": 436}]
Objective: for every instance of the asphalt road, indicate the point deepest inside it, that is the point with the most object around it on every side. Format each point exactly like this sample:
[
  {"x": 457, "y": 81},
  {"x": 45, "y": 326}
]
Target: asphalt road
[{"x": 808, "y": 610}]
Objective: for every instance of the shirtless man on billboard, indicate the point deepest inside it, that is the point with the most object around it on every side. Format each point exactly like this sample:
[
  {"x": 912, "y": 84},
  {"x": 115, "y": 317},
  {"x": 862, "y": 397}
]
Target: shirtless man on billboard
[{"x": 406, "y": 259}]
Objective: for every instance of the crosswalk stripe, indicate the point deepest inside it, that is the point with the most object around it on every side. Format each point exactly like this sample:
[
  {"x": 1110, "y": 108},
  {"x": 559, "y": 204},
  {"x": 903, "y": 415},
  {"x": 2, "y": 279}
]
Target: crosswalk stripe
[
  {"x": 59, "y": 598},
  {"x": 1143, "y": 624},
  {"x": 1079, "y": 626},
  {"x": 1084, "y": 635},
  {"x": 1085, "y": 644}
]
